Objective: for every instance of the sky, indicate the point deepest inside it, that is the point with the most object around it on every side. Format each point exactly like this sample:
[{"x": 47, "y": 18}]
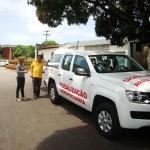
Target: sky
[{"x": 19, "y": 25}]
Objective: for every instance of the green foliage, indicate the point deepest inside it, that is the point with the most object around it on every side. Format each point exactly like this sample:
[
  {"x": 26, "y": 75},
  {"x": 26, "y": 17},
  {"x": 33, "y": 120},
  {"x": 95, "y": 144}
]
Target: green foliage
[
  {"x": 26, "y": 51},
  {"x": 49, "y": 43},
  {"x": 1, "y": 51},
  {"x": 114, "y": 19},
  {"x": 1, "y": 56}
]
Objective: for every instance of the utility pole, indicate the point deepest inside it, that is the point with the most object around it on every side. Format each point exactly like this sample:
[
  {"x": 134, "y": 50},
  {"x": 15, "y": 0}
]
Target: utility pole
[
  {"x": 77, "y": 45},
  {"x": 46, "y": 34}
]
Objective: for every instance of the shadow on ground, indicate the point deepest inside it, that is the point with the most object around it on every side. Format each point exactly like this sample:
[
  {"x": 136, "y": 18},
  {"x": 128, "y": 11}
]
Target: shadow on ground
[{"x": 87, "y": 137}]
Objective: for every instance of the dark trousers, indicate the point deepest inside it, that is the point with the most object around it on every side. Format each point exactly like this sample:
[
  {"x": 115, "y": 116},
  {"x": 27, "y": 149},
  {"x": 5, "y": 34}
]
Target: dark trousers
[
  {"x": 36, "y": 86},
  {"x": 20, "y": 85}
]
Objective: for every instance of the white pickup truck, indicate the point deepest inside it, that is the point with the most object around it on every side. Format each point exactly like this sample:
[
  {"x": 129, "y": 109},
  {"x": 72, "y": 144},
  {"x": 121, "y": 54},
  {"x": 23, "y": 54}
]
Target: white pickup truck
[{"x": 112, "y": 86}]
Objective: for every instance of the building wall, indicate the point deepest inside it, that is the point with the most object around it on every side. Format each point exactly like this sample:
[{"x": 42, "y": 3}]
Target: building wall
[
  {"x": 99, "y": 45},
  {"x": 148, "y": 58},
  {"x": 137, "y": 54},
  {"x": 123, "y": 49},
  {"x": 91, "y": 47},
  {"x": 145, "y": 57},
  {"x": 6, "y": 52},
  {"x": 104, "y": 47},
  {"x": 97, "y": 48},
  {"x": 82, "y": 48},
  {"x": 47, "y": 53}
]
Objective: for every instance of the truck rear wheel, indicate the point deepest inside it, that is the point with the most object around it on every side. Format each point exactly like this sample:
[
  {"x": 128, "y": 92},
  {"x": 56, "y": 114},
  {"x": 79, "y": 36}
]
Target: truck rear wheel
[
  {"x": 107, "y": 122},
  {"x": 53, "y": 94}
]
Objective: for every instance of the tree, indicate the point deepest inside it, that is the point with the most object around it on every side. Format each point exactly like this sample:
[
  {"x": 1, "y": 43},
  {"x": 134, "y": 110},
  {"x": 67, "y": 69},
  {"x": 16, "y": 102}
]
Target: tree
[
  {"x": 115, "y": 20},
  {"x": 1, "y": 53},
  {"x": 49, "y": 43},
  {"x": 26, "y": 51},
  {"x": 30, "y": 51}
]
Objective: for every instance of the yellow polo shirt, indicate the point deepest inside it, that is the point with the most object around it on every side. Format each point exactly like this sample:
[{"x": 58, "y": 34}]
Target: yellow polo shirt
[{"x": 37, "y": 68}]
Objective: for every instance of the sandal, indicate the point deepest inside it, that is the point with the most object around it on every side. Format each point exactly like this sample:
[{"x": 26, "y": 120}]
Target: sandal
[{"x": 18, "y": 100}]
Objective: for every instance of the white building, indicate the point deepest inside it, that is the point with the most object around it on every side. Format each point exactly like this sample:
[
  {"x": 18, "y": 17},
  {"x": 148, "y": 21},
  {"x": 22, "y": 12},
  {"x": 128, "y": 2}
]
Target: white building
[
  {"x": 46, "y": 50},
  {"x": 136, "y": 50},
  {"x": 97, "y": 45}
]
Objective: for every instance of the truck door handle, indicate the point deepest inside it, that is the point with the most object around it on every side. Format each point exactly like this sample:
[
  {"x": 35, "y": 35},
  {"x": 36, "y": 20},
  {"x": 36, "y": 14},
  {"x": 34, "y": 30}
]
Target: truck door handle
[
  {"x": 71, "y": 79},
  {"x": 59, "y": 74}
]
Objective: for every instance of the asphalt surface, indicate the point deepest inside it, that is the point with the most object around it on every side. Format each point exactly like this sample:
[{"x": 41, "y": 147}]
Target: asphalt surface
[{"x": 40, "y": 125}]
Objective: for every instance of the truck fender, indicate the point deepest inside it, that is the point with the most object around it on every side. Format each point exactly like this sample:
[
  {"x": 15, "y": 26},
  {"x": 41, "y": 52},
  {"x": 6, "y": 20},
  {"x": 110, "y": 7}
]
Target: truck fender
[{"x": 101, "y": 95}]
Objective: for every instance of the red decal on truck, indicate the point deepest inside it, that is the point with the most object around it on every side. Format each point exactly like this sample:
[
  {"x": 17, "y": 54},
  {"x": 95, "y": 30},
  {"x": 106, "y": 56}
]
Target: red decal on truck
[
  {"x": 70, "y": 92},
  {"x": 73, "y": 90},
  {"x": 134, "y": 77},
  {"x": 141, "y": 81},
  {"x": 73, "y": 97}
]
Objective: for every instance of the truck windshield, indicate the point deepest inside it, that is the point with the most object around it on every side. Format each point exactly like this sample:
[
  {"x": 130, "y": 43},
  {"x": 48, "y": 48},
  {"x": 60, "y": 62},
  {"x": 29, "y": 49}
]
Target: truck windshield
[
  {"x": 114, "y": 63},
  {"x": 56, "y": 58}
]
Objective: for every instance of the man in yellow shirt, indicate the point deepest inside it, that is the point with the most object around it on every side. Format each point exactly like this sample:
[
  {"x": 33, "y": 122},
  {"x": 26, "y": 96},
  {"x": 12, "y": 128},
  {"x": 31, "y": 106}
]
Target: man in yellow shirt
[{"x": 36, "y": 75}]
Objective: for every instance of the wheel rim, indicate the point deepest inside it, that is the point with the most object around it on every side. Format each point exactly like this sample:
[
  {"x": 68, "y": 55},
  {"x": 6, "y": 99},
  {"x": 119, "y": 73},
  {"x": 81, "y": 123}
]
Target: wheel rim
[
  {"x": 52, "y": 93},
  {"x": 105, "y": 121}
]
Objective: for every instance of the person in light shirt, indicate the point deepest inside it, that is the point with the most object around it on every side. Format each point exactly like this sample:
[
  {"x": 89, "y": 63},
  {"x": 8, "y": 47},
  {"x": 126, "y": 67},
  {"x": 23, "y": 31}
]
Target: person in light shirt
[
  {"x": 20, "y": 70},
  {"x": 36, "y": 75}
]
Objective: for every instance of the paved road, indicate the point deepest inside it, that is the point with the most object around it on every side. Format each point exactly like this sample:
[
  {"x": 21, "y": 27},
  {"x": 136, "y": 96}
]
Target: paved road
[{"x": 40, "y": 125}]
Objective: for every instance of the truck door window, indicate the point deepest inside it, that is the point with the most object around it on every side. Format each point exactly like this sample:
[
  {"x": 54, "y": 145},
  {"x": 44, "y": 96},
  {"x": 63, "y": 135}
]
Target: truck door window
[
  {"x": 66, "y": 62},
  {"x": 80, "y": 62},
  {"x": 55, "y": 58}
]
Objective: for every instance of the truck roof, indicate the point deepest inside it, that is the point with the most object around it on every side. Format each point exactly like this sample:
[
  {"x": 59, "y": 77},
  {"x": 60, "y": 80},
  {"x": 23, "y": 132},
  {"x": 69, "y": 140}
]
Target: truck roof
[
  {"x": 62, "y": 50},
  {"x": 87, "y": 53}
]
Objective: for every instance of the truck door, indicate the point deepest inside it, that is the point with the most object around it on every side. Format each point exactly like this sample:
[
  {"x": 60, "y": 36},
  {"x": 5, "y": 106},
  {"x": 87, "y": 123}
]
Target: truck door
[
  {"x": 80, "y": 85},
  {"x": 63, "y": 75}
]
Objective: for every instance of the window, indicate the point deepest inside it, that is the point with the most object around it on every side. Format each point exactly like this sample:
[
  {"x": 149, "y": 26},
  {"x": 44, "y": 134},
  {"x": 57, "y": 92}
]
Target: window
[
  {"x": 66, "y": 62},
  {"x": 56, "y": 58},
  {"x": 80, "y": 62},
  {"x": 114, "y": 63}
]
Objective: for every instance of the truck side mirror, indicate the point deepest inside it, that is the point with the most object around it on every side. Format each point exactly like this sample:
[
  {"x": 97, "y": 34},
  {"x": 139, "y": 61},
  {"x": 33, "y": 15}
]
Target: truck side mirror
[{"x": 82, "y": 72}]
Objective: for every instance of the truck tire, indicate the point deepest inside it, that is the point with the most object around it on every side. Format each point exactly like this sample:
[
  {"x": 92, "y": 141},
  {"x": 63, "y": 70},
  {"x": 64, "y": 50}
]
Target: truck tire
[
  {"x": 53, "y": 94},
  {"x": 107, "y": 122}
]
